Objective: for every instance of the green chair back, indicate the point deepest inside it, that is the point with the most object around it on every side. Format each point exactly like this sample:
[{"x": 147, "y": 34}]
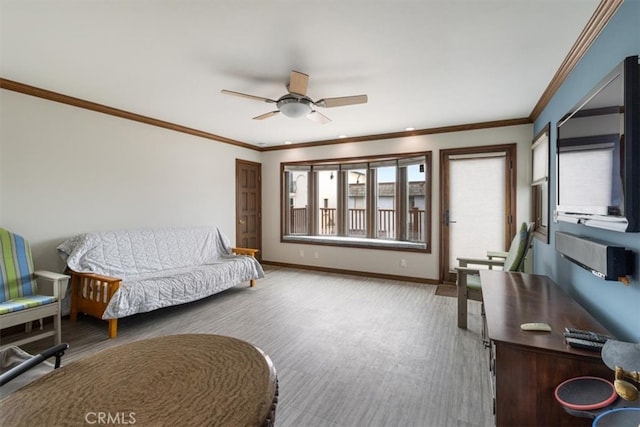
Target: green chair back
[{"x": 518, "y": 249}]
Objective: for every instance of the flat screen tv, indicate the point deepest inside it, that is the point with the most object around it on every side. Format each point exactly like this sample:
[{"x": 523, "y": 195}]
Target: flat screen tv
[{"x": 598, "y": 154}]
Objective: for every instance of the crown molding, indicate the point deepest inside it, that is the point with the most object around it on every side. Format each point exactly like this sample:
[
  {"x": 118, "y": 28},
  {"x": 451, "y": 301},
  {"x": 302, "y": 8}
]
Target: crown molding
[
  {"x": 405, "y": 134},
  {"x": 605, "y": 10},
  {"x": 603, "y": 13},
  {"x": 100, "y": 108}
]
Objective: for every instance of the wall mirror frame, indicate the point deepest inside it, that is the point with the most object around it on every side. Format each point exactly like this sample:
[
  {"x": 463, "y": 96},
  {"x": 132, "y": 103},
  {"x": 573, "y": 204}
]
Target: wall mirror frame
[{"x": 540, "y": 159}]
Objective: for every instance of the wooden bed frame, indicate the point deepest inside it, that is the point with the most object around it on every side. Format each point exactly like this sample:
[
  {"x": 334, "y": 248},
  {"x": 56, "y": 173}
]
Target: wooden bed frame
[{"x": 99, "y": 290}]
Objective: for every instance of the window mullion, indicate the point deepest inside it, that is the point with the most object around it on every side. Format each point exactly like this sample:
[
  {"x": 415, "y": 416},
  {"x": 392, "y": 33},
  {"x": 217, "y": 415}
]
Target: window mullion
[
  {"x": 372, "y": 194},
  {"x": 312, "y": 224},
  {"x": 402, "y": 207},
  {"x": 285, "y": 202},
  {"x": 341, "y": 211}
]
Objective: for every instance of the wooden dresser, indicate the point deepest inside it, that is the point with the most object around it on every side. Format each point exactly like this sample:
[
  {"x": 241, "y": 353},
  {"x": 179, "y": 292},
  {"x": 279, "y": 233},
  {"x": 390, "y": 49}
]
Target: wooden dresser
[{"x": 528, "y": 365}]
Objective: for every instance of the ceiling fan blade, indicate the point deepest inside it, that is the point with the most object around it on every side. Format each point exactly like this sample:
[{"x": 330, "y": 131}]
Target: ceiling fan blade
[
  {"x": 244, "y": 95},
  {"x": 266, "y": 115},
  {"x": 342, "y": 101},
  {"x": 298, "y": 83},
  {"x": 318, "y": 117}
]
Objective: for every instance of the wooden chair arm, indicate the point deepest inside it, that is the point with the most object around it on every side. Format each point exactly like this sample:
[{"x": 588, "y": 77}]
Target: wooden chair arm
[
  {"x": 60, "y": 281},
  {"x": 464, "y": 262},
  {"x": 497, "y": 254},
  {"x": 245, "y": 251},
  {"x": 50, "y": 275},
  {"x": 106, "y": 279}
]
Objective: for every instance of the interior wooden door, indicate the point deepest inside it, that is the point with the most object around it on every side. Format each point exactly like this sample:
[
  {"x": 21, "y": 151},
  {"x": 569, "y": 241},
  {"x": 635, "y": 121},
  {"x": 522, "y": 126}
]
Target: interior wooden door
[
  {"x": 249, "y": 205},
  {"x": 477, "y": 205}
]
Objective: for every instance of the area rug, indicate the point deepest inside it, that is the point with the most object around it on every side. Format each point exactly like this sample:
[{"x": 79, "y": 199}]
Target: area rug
[
  {"x": 184, "y": 380},
  {"x": 446, "y": 291}
]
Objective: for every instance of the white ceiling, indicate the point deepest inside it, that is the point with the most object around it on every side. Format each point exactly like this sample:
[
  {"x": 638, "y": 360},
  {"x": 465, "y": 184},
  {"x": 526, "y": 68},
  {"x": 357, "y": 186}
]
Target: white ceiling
[{"x": 423, "y": 64}]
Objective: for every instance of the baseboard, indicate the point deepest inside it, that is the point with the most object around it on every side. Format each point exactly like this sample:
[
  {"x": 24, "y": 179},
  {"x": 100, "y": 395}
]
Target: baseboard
[{"x": 353, "y": 272}]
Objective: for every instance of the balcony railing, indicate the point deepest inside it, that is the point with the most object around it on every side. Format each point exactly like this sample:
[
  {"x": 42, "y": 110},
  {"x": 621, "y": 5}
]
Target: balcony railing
[
  {"x": 356, "y": 225},
  {"x": 299, "y": 221}
]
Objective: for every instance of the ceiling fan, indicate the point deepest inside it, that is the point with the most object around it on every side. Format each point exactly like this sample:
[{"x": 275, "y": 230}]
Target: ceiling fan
[{"x": 296, "y": 103}]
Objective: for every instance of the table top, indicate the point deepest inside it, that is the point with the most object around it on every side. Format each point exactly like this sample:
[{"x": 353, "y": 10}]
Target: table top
[
  {"x": 192, "y": 379},
  {"x": 511, "y": 299}
]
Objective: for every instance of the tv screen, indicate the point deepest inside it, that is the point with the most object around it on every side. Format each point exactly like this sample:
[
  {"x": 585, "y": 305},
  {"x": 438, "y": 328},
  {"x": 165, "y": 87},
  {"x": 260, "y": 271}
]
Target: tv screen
[{"x": 598, "y": 154}]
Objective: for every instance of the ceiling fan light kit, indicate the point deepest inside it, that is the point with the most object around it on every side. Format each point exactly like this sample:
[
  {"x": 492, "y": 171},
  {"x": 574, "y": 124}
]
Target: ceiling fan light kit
[
  {"x": 294, "y": 107},
  {"x": 297, "y": 104}
]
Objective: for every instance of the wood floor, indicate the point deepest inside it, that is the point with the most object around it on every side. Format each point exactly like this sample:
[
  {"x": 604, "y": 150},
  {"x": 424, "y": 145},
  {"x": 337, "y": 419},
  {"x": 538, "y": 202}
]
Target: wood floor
[{"x": 349, "y": 351}]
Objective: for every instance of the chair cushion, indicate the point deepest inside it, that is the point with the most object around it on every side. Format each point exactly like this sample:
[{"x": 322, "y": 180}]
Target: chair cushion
[
  {"x": 473, "y": 282},
  {"x": 517, "y": 249},
  {"x": 23, "y": 303},
  {"x": 16, "y": 267}
]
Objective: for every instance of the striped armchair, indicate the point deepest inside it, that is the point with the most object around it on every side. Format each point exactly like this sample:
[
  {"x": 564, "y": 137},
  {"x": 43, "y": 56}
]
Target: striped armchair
[{"x": 20, "y": 301}]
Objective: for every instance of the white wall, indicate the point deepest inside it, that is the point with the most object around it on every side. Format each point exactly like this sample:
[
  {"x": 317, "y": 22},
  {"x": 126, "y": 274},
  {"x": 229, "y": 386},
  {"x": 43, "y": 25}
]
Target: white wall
[
  {"x": 380, "y": 261},
  {"x": 66, "y": 170}
]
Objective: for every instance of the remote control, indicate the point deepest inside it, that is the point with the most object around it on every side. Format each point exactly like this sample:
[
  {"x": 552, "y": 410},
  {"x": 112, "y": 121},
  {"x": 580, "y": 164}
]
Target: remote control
[
  {"x": 536, "y": 326},
  {"x": 587, "y": 335},
  {"x": 585, "y": 344}
]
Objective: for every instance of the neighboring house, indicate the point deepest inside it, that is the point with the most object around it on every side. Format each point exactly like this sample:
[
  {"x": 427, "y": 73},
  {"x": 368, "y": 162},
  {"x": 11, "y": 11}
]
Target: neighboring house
[{"x": 386, "y": 195}]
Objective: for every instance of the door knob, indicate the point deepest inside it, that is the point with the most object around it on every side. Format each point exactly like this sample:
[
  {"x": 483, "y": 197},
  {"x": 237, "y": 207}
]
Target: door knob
[{"x": 242, "y": 221}]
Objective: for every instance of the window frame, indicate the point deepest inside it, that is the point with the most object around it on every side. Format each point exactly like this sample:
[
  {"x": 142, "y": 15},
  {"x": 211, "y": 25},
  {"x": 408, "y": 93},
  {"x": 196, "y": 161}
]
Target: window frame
[
  {"x": 540, "y": 184},
  {"x": 367, "y": 241}
]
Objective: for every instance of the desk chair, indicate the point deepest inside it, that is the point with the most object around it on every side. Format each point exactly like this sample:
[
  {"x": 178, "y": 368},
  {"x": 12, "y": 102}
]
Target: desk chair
[{"x": 468, "y": 278}]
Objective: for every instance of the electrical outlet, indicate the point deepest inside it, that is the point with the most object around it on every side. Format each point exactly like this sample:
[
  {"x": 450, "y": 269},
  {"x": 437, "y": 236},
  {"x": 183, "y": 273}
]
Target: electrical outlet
[
  {"x": 316, "y": 255},
  {"x": 403, "y": 262},
  {"x": 301, "y": 253}
]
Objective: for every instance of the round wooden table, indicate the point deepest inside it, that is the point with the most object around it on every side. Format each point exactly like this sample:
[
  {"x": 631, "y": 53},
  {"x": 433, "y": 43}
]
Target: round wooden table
[{"x": 194, "y": 379}]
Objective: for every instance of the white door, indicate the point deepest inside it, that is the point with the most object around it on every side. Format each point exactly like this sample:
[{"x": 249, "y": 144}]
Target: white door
[{"x": 477, "y": 207}]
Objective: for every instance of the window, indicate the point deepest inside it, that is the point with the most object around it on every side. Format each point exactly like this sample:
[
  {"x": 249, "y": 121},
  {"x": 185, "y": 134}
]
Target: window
[
  {"x": 377, "y": 202},
  {"x": 297, "y": 180},
  {"x": 356, "y": 209},
  {"x": 416, "y": 202},
  {"x": 327, "y": 201},
  {"x": 385, "y": 201},
  {"x": 540, "y": 184}
]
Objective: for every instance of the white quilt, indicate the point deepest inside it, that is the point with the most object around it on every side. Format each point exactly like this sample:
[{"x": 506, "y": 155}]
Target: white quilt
[{"x": 159, "y": 267}]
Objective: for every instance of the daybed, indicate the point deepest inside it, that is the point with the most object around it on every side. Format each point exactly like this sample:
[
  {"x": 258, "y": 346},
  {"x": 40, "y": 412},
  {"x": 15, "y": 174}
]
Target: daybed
[{"x": 115, "y": 274}]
